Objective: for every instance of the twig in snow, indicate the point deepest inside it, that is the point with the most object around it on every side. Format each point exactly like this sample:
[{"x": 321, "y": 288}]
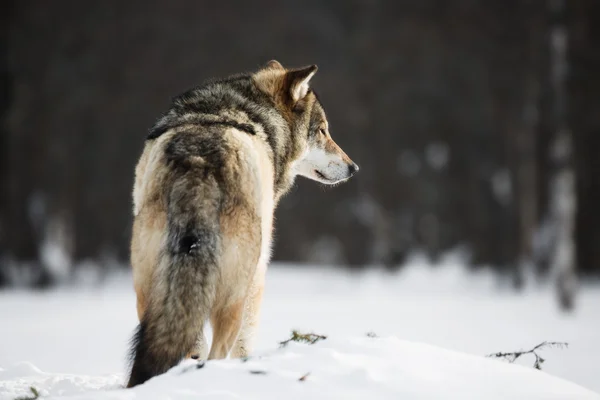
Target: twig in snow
[
  {"x": 303, "y": 377},
  {"x": 310, "y": 338},
  {"x": 34, "y": 392},
  {"x": 512, "y": 357},
  {"x": 257, "y": 372}
]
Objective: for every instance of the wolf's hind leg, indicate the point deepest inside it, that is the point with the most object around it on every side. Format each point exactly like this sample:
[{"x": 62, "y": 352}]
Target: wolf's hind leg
[
  {"x": 173, "y": 322},
  {"x": 226, "y": 324},
  {"x": 182, "y": 297},
  {"x": 243, "y": 344},
  {"x": 200, "y": 350}
]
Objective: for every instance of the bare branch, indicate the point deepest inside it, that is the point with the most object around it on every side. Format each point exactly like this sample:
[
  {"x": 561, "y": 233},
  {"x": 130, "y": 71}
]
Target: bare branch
[
  {"x": 310, "y": 338},
  {"x": 513, "y": 356}
]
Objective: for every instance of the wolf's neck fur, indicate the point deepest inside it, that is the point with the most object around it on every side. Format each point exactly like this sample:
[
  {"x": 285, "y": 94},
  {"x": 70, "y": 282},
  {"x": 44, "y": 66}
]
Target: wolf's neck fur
[{"x": 236, "y": 102}]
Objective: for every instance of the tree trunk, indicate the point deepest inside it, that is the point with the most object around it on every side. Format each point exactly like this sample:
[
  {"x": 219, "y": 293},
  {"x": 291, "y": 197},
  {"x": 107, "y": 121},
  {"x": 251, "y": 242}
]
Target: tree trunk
[
  {"x": 584, "y": 119},
  {"x": 5, "y": 99},
  {"x": 563, "y": 195}
]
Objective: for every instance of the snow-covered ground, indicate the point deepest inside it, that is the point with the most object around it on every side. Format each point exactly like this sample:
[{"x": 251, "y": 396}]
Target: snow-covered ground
[{"x": 78, "y": 337}]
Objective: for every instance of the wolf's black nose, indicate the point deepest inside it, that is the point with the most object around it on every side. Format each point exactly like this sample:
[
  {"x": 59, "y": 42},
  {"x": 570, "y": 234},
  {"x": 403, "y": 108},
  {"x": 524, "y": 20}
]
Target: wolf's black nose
[{"x": 352, "y": 169}]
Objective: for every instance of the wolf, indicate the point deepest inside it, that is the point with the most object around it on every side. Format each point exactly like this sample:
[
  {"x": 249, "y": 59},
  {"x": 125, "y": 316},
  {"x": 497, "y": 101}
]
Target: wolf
[{"x": 211, "y": 173}]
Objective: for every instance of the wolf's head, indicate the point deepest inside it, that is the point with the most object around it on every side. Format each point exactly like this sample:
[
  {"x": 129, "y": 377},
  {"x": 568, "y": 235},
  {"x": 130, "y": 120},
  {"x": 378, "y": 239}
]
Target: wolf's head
[{"x": 313, "y": 153}]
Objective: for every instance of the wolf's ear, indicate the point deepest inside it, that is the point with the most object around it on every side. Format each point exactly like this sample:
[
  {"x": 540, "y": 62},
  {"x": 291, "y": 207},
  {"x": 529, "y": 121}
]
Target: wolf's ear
[
  {"x": 298, "y": 81},
  {"x": 274, "y": 64}
]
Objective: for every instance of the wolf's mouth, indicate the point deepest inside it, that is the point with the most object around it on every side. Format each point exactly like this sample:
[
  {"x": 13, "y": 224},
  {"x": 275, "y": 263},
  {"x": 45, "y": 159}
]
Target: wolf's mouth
[{"x": 320, "y": 175}]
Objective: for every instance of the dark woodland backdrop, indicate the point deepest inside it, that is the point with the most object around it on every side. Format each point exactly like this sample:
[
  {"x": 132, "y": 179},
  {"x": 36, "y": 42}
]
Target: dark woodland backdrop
[{"x": 475, "y": 123}]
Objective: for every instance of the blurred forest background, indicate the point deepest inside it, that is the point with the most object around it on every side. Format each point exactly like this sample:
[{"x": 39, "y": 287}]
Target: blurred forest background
[{"x": 476, "y": 125}]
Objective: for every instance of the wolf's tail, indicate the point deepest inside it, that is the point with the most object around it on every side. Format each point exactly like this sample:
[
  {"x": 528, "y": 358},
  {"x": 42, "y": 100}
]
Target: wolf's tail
[{"x": 183, "y": 288}]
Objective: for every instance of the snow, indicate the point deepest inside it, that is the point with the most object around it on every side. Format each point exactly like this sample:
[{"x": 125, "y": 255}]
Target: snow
[
  {"x": 71, "y": 342},
  {"x": 356, "y": 368}
]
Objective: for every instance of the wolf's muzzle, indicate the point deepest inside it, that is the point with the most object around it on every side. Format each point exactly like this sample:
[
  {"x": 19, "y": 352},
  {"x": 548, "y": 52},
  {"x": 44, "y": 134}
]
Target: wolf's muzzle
[{"x": 352, "y": 169}]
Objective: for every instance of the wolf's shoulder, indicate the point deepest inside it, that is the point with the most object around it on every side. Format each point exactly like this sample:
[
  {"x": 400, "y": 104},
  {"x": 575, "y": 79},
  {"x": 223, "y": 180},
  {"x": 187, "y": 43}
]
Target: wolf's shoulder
[{"x": 215, "y": 103}]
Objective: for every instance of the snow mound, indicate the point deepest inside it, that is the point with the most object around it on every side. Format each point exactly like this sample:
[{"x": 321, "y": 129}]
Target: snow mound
[
  {"x": 354, "y": 368},
  {"x": 16, "y": 382}
]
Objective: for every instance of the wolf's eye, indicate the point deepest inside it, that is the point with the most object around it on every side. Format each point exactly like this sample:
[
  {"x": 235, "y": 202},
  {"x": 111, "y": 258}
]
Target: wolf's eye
[{"x": 322, "y": 131}]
